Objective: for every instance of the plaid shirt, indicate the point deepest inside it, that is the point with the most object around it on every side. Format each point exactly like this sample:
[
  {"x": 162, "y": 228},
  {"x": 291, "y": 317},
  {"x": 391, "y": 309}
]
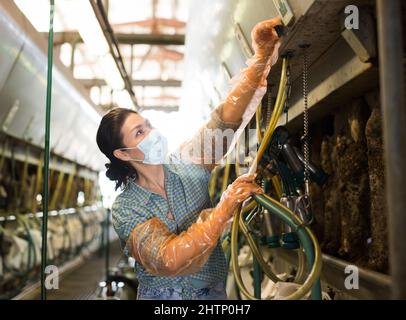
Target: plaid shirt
[{"x": 186, "y": 185}]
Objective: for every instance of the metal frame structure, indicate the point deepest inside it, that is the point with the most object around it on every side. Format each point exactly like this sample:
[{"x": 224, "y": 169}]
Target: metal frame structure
[{"x": 392, "y": 82}]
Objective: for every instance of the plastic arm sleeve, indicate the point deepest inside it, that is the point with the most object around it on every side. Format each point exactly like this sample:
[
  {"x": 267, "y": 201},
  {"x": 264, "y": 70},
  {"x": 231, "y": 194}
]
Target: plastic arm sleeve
[
  {"x": 208, "y": 146},
  {"x": 166, "y": 254},
  {"x": 265, "y": 42}
]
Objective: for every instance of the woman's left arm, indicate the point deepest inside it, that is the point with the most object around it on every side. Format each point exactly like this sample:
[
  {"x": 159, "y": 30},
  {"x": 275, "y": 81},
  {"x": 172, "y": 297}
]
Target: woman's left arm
[
  {"x": 211, "y": 142},
  {"x": 264, "y": 40}
]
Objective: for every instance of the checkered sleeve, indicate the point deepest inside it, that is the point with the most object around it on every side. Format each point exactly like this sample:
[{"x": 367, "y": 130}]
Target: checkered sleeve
[
  {"x": 216, "y": 121},
  {"x": 126, "y": 215}
]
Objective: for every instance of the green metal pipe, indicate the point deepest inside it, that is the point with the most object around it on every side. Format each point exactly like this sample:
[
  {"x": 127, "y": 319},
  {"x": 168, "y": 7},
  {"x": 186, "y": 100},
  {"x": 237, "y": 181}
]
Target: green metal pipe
[
  {"x": 237, "y": 289},
  {"x": 228, "y": 260},
  {"x": 278, "y": 210},
  {"x": 45, "y": 190},
  {"x": 308, "y": 247},
  {"x": 257, "y": 277}
]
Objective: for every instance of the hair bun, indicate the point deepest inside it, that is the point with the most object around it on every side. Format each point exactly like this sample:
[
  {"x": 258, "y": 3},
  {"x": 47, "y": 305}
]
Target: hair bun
[{"x": 111, "y": 172}]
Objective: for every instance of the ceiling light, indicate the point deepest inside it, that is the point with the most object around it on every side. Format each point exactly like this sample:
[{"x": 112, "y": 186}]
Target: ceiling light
[
  {"x": 89, "y": 29},
  {"x": 82, "y": 16}
]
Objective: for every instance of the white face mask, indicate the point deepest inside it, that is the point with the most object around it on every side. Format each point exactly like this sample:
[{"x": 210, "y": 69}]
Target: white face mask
[{"x": 154, "y": 147}]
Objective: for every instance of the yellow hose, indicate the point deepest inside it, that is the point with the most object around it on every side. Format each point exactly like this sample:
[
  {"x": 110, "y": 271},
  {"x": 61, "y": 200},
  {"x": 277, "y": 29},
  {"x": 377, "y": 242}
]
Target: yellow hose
[
  {"x": 301, "y": 269},
  {"x": 256, "y": 252},
  {"x": 258, "y": 115},
  {"x": 237, "y": 158},
  {"x": 251, "y": 205},
  {"x": 277, "y": 186},
  {"x": 212, "y": 183},
  {"x": 280, "y": 100},
  {"x": 226, "y": 174},
  {"x": 259, "y": 137}
]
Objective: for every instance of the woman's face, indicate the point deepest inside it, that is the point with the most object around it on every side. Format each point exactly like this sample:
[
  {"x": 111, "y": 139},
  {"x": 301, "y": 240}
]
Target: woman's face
[{"x": 133, "y": 131}]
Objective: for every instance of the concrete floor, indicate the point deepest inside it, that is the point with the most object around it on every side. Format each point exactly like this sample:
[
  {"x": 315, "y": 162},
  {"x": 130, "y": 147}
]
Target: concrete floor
[{"x": 82, "y": 283}]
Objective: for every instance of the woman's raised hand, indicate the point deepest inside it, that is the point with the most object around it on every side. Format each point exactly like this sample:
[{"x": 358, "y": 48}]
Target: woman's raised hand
[
  {"x": 264, "y": 37},
  {"x": 240, "y": 190}
]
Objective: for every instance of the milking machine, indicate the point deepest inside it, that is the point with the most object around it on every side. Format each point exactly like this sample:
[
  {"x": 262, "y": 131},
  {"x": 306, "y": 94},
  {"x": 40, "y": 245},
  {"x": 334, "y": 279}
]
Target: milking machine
[{"x": 280, "y": 164}]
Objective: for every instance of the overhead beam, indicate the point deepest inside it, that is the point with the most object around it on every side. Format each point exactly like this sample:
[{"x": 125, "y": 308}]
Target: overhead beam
[
  {"x": 124, "y": 38},
  {"x": 101, "y": 16},
  {"x": 88, "y": 83},
  {"x": 157, "y": 83},
  {"x": 151, "y": 39},
  {"x": 161, "y": 108},
  {"x": 145, "y": 108},
  {"x": 173, "y": 23}
]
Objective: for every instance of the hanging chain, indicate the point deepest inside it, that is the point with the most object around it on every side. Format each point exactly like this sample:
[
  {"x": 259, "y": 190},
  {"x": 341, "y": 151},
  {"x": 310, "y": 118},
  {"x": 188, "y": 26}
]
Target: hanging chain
[
  {"x": 304, "y": 202},
  {"x": 269, "y": 109},
  {"x": 306, "y": 137}
]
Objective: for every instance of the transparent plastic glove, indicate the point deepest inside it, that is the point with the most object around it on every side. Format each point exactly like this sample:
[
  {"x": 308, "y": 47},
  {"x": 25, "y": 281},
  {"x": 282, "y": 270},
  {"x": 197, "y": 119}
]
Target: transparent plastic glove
[
  {"x": 166, "y": 254},
  {"x": 249, "y": 86},
  {"x": 265, "y": 42},
  {"x": 264, "y": 37}
]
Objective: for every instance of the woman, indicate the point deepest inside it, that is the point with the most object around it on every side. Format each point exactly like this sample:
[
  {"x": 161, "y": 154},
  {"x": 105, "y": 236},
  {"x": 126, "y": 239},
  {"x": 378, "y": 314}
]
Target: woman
[{"x": 162, "y": 216}]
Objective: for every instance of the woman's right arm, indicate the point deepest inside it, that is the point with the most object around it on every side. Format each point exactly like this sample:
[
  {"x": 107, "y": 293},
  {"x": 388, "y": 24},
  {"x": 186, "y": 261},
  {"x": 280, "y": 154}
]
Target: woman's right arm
[{"x": 166, "y": 254}]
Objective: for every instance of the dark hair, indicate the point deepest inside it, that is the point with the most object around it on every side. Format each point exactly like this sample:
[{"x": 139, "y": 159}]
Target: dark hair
[{"x": 109, "y": 138}]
